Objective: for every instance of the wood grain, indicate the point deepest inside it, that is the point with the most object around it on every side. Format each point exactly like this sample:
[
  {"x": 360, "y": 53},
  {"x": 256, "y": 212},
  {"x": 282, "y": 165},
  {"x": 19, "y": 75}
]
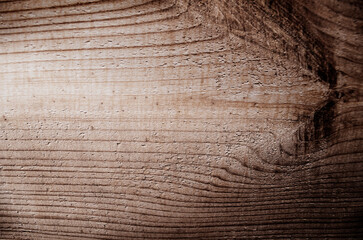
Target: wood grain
[{"x": 149, "y": 119}]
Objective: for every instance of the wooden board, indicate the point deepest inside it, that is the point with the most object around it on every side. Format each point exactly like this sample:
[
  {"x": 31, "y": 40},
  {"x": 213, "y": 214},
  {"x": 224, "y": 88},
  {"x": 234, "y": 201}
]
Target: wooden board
[{"x": 180, "y": 120}]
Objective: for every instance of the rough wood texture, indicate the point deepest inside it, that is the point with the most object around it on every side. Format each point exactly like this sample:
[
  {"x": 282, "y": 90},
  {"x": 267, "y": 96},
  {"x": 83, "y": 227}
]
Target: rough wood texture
[{"x": 145, "y": 119}]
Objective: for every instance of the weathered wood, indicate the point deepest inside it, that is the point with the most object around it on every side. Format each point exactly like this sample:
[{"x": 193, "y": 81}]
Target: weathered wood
[{"x": 144, "y": 119}]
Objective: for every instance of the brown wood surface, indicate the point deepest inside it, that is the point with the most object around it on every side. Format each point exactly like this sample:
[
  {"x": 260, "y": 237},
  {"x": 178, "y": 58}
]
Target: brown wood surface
[{"x": 146, "y": 119}]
